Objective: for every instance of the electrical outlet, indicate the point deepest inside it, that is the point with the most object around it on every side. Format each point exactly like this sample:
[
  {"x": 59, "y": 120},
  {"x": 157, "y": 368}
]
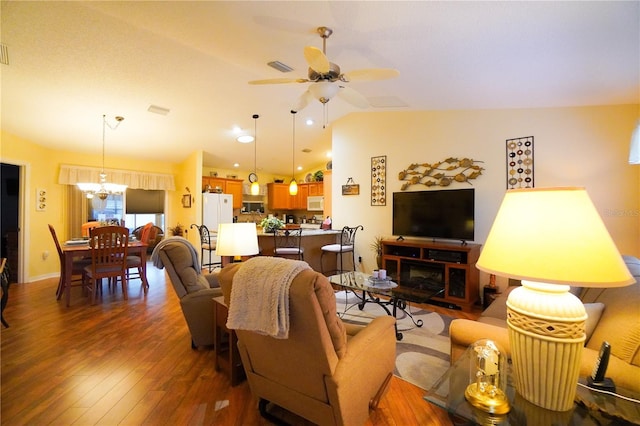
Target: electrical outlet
[{"x": 359, "y": 259}]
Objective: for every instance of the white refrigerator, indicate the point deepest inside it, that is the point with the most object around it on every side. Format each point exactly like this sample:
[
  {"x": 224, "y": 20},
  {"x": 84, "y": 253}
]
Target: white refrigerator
[{"x": 216, "y": 209}]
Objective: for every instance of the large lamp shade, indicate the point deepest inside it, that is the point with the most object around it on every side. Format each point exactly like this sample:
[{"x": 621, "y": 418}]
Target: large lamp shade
[
  {"x": 550, "y": 238},
  {"x": 237, "y": 239}
]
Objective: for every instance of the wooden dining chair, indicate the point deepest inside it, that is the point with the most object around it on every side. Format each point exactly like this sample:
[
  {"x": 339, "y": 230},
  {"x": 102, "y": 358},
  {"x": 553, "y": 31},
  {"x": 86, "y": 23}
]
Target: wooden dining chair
[
  {"x": 108, "y": 258},
  {"x": 76, "y": 271},
  {"x": 135, "y": 262}
]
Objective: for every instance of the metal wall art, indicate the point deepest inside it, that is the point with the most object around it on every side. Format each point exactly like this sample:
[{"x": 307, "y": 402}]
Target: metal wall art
[
  {"x": 350, "y": 188},
  {"x": 520, "y": 163},
  {"x": 442, "y": 173},
  {"x": 379, "y": 181}
]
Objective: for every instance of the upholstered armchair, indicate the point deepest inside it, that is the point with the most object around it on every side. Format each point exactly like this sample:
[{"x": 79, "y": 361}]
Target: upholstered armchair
[
  {"x": 327, "y": 372},
  {"x": 194, "y": 289}
]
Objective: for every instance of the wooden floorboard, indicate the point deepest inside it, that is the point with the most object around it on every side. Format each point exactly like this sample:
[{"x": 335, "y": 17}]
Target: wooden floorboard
[{"x": 131, "y": 363}]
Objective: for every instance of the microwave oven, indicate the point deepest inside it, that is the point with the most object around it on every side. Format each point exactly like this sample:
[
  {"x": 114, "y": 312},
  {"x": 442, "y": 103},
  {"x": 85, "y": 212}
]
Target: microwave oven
[{"x": 315, "y": 203}]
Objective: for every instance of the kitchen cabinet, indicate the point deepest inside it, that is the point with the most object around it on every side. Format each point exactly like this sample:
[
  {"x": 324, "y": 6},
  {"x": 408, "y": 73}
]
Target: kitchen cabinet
[
  {"x": 315, "y": 188},
  {"x": 227, "y": 186},
  {"x": 279, "y": 198},
  {"x": 301, "y": 197}
]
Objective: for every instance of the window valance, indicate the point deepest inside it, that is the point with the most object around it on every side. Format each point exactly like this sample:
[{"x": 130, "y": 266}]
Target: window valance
[{"x": 71, "y": 175}]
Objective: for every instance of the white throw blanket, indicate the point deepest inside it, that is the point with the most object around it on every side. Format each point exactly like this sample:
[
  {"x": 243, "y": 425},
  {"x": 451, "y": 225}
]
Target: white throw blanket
[{"x": 259, "y": 299}]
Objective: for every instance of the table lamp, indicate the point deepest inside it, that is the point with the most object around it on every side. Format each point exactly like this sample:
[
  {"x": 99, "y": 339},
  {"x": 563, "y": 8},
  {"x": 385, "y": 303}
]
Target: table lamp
[
  {"x": 550, "y": 238},
  {"x": 237, "y": 240}
]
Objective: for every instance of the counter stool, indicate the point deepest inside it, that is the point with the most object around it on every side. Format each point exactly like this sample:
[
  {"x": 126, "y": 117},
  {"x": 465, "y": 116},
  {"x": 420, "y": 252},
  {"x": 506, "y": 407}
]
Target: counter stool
[
  {"x": 287, "y": 243},
  {"x": 346, "y": 245},
  {"x": 207, "y": 243}
]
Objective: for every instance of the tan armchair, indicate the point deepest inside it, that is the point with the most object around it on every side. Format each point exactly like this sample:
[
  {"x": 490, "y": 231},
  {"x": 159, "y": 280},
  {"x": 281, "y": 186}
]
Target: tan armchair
[
  {"x": 327, "y": 372},
  {"x": 195, "y": 290}
]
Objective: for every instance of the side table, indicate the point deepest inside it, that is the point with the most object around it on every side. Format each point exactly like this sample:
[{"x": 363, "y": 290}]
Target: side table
[{"x": 226, "y": 344}]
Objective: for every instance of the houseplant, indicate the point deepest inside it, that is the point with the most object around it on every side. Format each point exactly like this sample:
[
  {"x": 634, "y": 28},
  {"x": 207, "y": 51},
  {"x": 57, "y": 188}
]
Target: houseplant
[
  {"x": 177, "y": 230},
  {"x": 270, "y": 224},
  {"x": 376, "y": 246}
]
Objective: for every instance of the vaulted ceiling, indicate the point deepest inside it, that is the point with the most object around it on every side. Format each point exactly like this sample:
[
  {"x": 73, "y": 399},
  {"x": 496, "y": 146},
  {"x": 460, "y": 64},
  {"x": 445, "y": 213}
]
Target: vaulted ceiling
[{"x": 71, "y": 62}]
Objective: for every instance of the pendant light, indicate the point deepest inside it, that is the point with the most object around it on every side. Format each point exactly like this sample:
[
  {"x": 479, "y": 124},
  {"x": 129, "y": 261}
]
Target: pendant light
[
  {"x": 293, "y": 186},
  {"x": 103, "y": 189},
  {"x": 253, "y": 177}
]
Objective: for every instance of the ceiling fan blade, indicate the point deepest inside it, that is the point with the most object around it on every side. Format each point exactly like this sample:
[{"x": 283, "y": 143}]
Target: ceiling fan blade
[
  {"x": 279, "y": 81},
  {"x": 317, "y": 60},
  {"x": 353, "y": 97},
  {"x": 370, "y": 74},
  {"x": 303, "y": 101}
]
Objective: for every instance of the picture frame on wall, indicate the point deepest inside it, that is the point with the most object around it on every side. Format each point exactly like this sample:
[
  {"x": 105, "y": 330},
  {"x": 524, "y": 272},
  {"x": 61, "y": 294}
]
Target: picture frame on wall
[{"x": 186, "y": 201}]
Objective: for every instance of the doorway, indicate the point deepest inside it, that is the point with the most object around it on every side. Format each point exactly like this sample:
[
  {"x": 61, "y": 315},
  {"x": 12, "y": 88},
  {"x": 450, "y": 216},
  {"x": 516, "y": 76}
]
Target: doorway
[{"x": 10, "y": 217}]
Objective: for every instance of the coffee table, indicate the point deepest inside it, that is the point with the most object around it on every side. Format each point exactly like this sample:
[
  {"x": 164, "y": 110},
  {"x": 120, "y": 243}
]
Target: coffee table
[
  {"x": 368, "y": 291},
  {"x": 591, "y": 407}
]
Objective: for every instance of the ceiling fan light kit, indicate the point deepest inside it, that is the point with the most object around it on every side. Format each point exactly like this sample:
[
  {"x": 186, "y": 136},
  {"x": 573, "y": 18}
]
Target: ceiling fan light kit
[{"x": 326, "y": 78}]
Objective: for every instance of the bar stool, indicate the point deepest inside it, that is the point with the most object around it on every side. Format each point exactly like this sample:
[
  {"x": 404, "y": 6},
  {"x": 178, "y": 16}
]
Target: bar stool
[
  {"x": 346, "y": 245},
  {"x": 207, "y": 243},
  {"x": 287, "y": 242}
]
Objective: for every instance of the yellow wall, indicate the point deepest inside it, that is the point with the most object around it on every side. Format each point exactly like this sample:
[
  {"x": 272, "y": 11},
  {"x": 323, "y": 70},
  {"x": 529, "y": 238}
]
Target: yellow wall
[
  {"x": 585, "y": 146},
  {"x": 42, "y": 166}
]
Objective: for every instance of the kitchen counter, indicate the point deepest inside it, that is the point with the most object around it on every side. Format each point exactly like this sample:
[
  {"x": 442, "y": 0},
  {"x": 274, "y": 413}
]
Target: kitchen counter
[{"x": 312, "y": 241}]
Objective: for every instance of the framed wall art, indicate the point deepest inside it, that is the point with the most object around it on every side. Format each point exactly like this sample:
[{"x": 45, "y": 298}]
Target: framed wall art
[
  {"x": 379, "y": 181},
  {"x": 520, "y": 163},
  {"x": 186, "y": 201},
  {"x": 350, "y": 188}
]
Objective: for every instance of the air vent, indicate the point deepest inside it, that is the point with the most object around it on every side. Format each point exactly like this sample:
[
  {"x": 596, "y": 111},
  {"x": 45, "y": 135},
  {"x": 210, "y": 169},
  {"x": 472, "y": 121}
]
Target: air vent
[
  {"x": 158, "y": 110},
  {"x": 280, "y": 66},
  {"x": 4, "y": 54}
]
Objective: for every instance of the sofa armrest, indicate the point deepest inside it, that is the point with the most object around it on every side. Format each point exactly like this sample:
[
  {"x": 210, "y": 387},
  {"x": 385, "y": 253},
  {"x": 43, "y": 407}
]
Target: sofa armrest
[{"x": 464, "y": 332}]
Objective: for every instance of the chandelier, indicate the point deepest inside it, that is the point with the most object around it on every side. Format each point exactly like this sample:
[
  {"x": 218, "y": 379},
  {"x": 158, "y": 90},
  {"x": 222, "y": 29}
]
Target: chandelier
[{"x": 103, "y": 189}]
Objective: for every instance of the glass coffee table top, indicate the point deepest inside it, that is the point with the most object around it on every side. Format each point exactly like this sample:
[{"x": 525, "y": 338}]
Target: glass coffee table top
[
  {"x": 368, "y": 290},
  {"x": 591, "y": 408}
]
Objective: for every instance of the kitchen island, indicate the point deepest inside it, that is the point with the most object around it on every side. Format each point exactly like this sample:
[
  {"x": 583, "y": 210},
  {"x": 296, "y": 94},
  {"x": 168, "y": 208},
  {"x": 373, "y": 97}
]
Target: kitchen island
[{"x": 312, "y": 241}]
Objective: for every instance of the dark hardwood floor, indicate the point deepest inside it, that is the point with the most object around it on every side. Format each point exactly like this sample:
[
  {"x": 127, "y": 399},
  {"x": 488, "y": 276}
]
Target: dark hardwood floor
[{"x": 130, "y": 362}]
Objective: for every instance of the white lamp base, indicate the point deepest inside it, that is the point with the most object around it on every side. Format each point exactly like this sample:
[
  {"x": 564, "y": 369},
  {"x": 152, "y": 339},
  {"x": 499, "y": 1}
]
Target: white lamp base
[{"x": 546, "y": 332}]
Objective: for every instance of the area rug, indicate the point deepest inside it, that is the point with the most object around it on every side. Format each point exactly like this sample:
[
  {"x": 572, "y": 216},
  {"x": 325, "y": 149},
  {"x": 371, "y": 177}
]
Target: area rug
[{"x": 422, "y": 356}]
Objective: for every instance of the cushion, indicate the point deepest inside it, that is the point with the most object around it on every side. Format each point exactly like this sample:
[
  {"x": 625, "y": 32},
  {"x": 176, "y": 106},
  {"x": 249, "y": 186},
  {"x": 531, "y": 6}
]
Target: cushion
[{"x": 594, "y": 312}]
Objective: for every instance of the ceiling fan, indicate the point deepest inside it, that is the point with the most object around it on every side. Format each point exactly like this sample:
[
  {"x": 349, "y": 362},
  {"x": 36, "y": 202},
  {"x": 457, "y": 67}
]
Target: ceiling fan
[{"x": 327, "y": 79}]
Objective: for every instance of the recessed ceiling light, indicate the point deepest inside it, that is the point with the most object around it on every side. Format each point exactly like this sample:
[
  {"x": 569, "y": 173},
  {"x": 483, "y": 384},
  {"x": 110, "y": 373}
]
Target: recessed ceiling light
[
  {"x": 245, "y": 139},
  {"x": 299, "y": 167},
  {"x": 309, "y": 122},
  {"x": 236, "y": 129},
  {"x": 329, "y": 154},
  {"x": 236, "y": 165}
]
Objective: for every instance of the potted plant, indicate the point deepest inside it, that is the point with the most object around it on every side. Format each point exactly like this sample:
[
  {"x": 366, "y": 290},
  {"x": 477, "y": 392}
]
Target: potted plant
[
  {"x": 270, "y": 224},
  {"x": 177, "y": 230},
  {"x": 318, "y": 176},
  {"x": 376, "y": 246}
]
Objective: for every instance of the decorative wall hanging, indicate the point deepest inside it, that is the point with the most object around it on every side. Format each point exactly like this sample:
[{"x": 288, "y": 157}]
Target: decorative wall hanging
[
  {"x": 520, "y": 163},
  {"x": 379, "y": 181},
  {"x": 186, "y": 201},
  {"x": 442, "y": 173},
  {"x": 41, "y": 200},
  {"x": 351, "y": 188}
]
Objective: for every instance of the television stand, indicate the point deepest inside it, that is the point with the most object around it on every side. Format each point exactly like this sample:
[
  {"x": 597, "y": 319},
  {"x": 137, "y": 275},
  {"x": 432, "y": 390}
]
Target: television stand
[{"x": 421, "y": 265}]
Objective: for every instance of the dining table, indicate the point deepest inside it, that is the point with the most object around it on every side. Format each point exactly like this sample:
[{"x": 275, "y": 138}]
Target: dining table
[{"x": 75, "y": 249}]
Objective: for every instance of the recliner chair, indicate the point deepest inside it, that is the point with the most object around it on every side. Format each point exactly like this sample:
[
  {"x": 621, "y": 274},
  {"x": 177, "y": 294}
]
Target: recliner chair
[
  {"x": 326, "y": 371},
  {"x": 195, "y": 291}
]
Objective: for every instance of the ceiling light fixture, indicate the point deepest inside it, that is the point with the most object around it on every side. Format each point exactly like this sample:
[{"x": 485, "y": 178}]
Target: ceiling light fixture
[
  {"x": 104, "y": 188},
  {"x": 634, "y": 150},
  {"x": 245, "y": 139},
  {"x": 293, "y": 186},
  {"x": 253, "y": 177}
]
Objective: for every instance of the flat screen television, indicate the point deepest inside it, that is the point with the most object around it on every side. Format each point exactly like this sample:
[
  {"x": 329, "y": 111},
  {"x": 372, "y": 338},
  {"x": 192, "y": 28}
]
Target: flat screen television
[{"x": 446, "y": 214}]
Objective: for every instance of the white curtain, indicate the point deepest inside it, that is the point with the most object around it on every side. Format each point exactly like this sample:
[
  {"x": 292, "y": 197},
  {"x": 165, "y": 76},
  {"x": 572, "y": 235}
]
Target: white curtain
[{"x": 71, "y": 175}]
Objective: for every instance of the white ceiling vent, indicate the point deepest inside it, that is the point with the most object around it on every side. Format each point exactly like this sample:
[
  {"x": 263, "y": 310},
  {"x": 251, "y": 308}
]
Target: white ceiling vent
[
  {"x": 280, "y": 66},
  {"x": 4, "y": 54}
]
